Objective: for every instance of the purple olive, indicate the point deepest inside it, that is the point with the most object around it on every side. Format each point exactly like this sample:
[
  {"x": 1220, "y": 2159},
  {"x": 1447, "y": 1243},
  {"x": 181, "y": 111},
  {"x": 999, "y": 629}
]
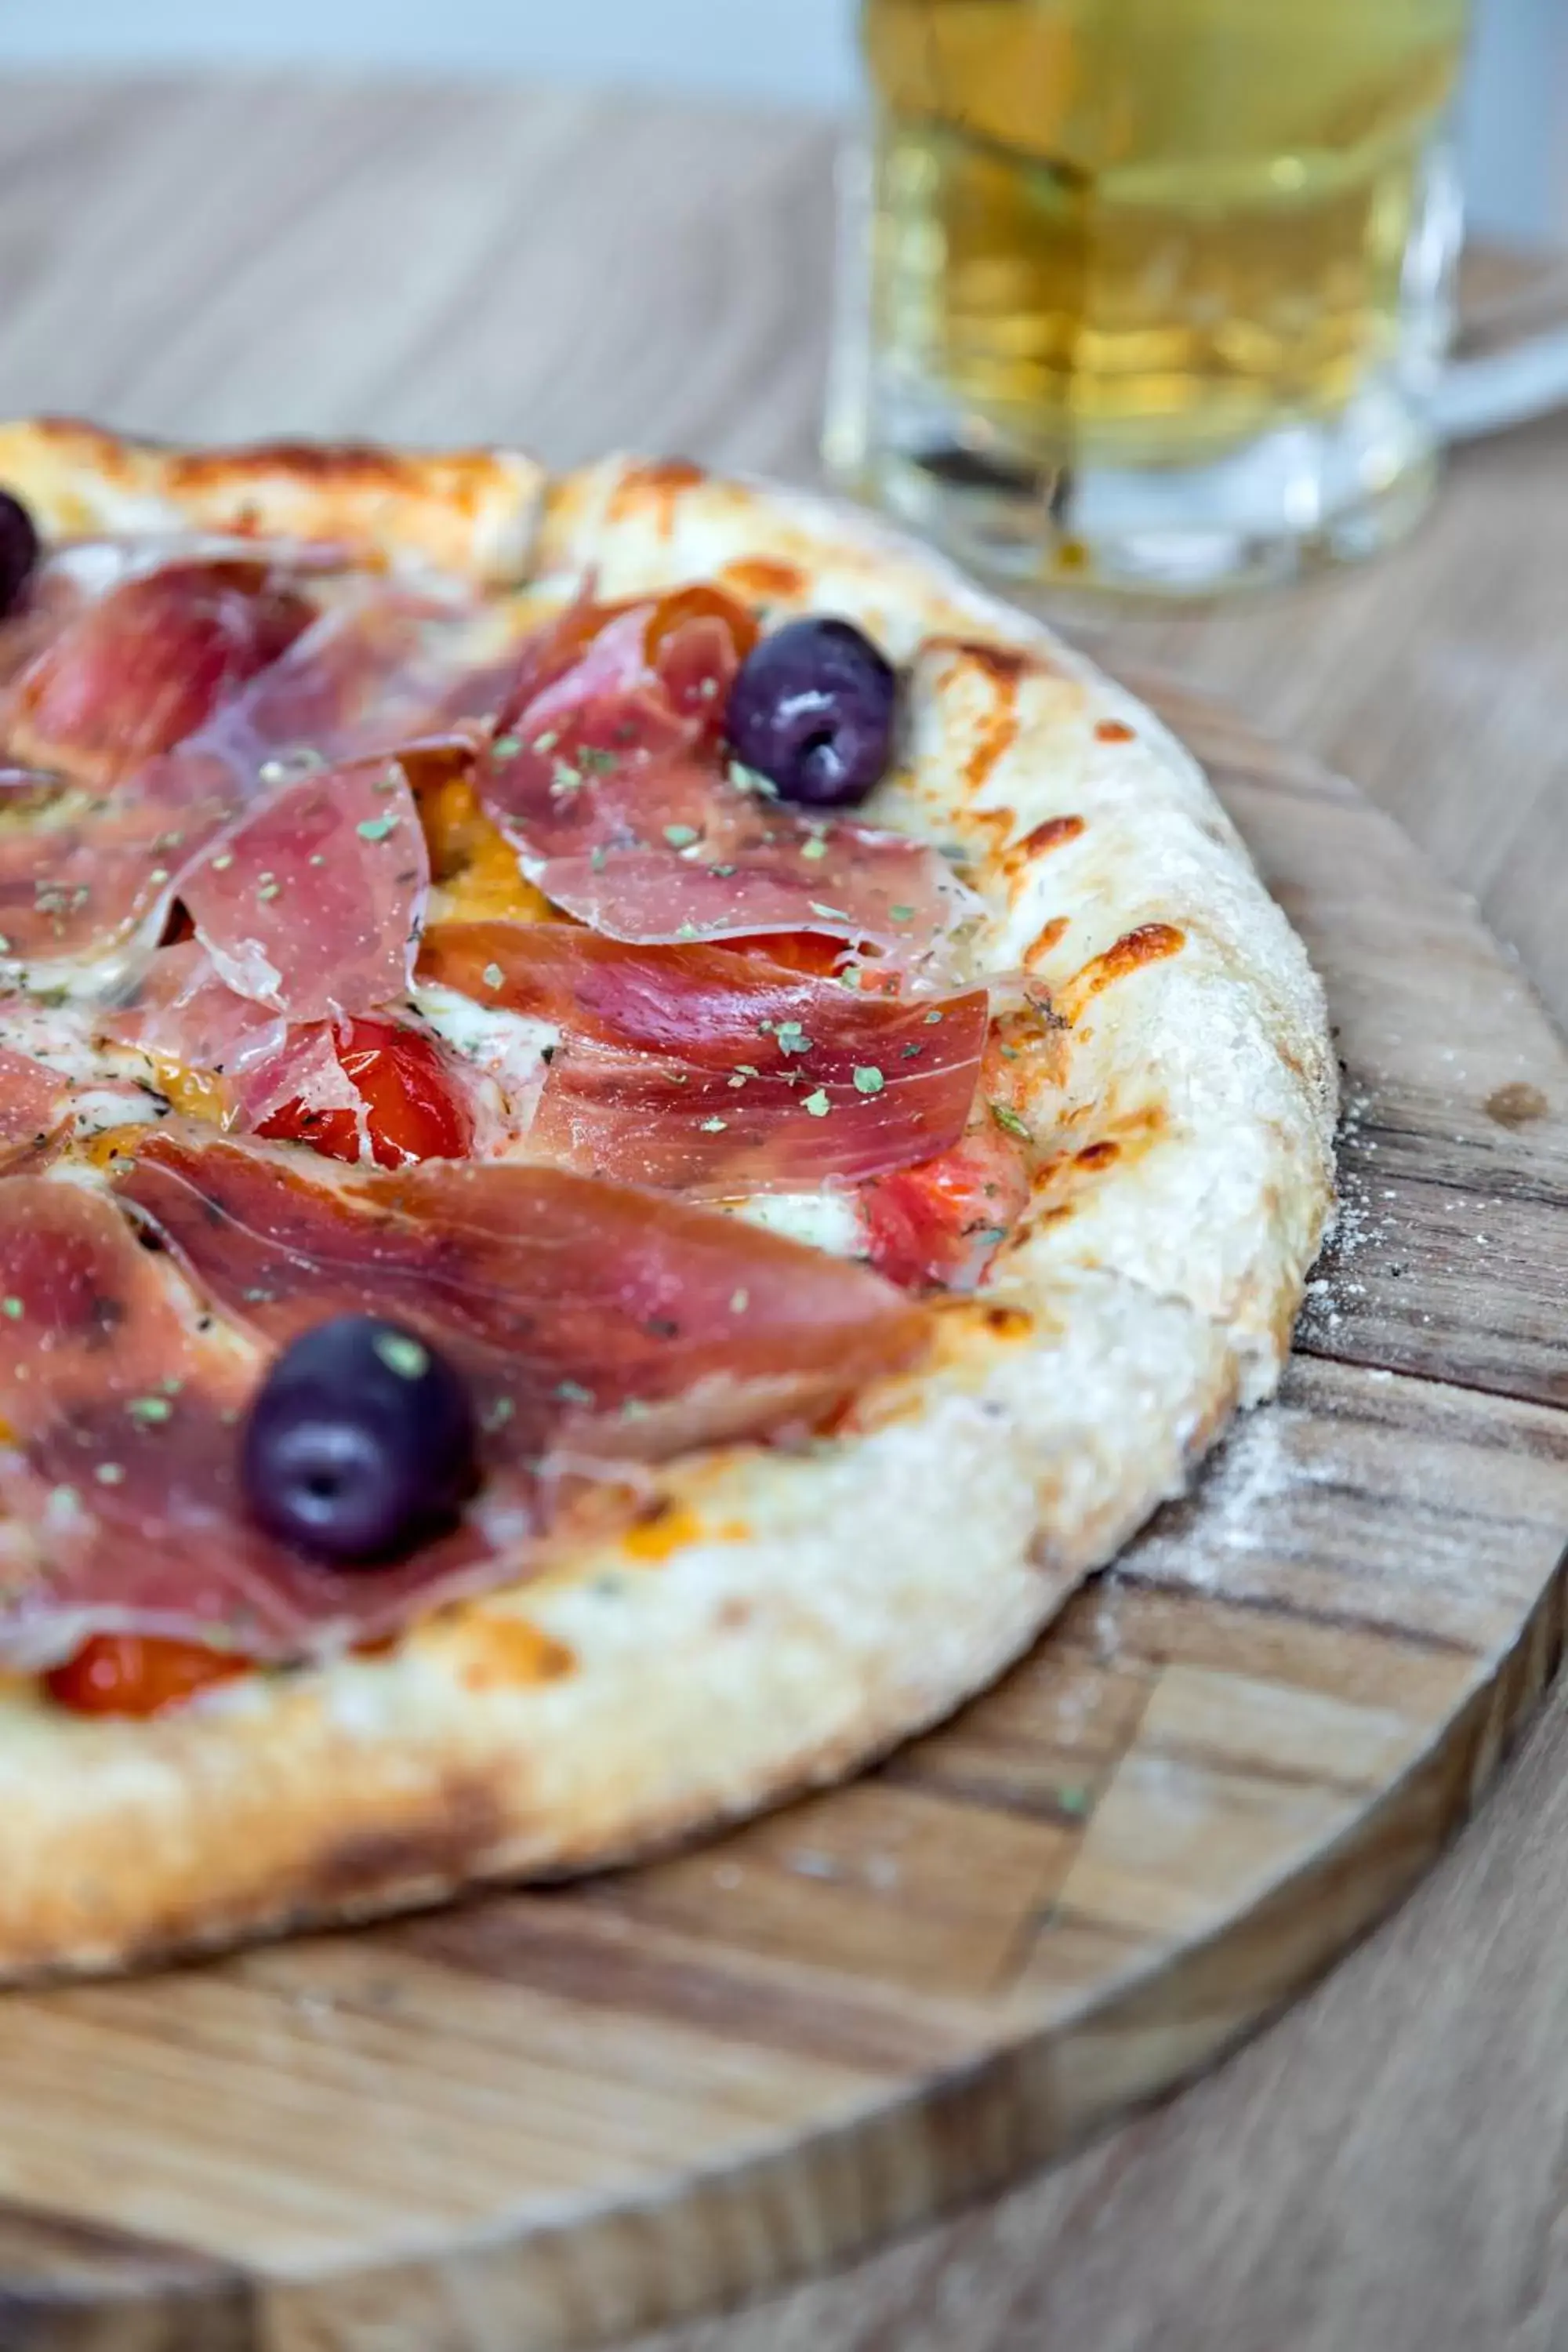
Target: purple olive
[
  {"x": 360, "y": 1442},
  {"x": 18, "y": 549},
  {"x": 814, "y": 708}
]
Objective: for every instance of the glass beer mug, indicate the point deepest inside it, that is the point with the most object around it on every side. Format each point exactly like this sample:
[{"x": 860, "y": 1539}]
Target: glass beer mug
[{"x": 1157, "y": 294}]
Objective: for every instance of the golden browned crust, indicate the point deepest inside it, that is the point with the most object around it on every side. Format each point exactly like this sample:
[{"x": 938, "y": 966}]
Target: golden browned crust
[{"x": 468, "y": 512}]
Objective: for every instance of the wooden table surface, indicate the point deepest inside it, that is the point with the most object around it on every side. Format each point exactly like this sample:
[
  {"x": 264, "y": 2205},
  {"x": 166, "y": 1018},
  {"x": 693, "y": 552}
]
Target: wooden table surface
[{"x": 1386, "y": 2167}]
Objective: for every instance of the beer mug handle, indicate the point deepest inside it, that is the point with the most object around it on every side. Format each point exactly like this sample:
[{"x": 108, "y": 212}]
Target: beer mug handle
[{"x": 1509, "y": 360}]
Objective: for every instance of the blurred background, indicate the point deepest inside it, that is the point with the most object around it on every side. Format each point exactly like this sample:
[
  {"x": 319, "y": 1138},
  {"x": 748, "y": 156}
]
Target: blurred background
[{"x": 778, "y": 52}]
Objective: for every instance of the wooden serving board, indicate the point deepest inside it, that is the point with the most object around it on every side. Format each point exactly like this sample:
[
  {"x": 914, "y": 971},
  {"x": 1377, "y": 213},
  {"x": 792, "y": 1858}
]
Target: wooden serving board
[{"x": 550, "y": 2120}]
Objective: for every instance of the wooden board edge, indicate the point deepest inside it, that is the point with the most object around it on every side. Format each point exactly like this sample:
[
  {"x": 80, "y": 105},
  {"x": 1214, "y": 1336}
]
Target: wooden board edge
[{"x": 817, "y": 2205}]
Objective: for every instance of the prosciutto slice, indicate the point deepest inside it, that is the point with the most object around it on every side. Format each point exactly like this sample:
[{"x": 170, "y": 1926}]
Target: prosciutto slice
[
  {"x": 83, "y": 871},
  {"x": 714, "y": 1073},
  {"x": 594, "y": 1322},
  {"x": 182, "y": 1011},
  {"x": 34, "y": 1109},
  {"x": 139, "y": 669},
  {"x": 121, "y": 1479},
  {"x": 622, "y": 816},
  {"x": 383, "y": 672},
  {"x": 311, "y": 904},
  {"x": 78, "y": 876}
]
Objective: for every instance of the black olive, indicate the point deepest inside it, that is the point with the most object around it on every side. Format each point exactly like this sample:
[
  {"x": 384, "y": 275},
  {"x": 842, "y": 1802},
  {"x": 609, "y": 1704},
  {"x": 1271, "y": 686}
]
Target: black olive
[
  {"x": 18, "y": 549},
  {"x": 360, "y": 1442},
  {"x": 814, "y": 708}
]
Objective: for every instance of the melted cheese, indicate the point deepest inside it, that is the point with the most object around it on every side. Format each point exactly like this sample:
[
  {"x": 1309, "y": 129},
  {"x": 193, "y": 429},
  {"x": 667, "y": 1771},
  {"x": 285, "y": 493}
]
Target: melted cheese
[
  {"x": 111, "y": 1086},
  {"x": 510, "y": 1049},
  {"x": 830, "y": 1221},
  {"x": 495, "y": 1039}
]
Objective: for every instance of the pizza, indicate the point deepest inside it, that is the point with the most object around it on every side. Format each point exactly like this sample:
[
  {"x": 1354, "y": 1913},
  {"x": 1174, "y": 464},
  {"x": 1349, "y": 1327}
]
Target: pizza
[{"x": 634, "y": 1126}]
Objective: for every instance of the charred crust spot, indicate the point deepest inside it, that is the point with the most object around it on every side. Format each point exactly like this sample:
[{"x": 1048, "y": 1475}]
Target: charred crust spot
[
  {"x": 1099, "y": 1155},
  {"x": 1004, "y": 668},
  {"x": 511, "y": 1653},
  {"x": 1054, "y": 833},
  {"x": 1006, "y": 665},
  {"x": 656, "y": 486},
  {"x": 664, "y": 474},
  {"x": 997, "y": 737},
  {"x": 765, "y": 578},
  {"x": 1051, "y": 937},
  {"x": 459, "y": 1825},
  {"x": 1516, "y": 1104},
  {"x": 305, "y": 461},
  {"x": 1148, "y": 944},
  {"x": 1008, "y": 1322},
  {"x": 1115, "y": 731}
]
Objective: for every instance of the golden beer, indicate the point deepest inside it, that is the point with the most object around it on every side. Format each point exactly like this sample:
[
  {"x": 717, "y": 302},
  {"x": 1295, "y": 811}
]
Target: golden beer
[{"x": 1142, "y": 233}]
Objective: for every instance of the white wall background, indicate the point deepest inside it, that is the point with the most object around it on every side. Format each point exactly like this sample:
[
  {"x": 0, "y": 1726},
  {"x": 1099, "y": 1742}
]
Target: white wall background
[{"x": 784, "y": 52}]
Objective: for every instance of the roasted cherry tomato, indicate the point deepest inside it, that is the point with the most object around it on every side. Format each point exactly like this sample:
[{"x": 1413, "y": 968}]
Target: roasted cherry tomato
[
  {"x": 939, "y": 1221},
  {"x": 137, "y": 1674},
  {"x": 412, "y": 1109}
]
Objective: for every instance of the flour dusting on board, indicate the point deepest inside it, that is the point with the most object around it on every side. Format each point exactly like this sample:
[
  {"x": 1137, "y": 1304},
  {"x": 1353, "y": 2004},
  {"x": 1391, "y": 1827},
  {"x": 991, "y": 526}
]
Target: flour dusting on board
[
  {"x": 1230, "y": 1510},
  {"x": 1360, "y": 1219}
]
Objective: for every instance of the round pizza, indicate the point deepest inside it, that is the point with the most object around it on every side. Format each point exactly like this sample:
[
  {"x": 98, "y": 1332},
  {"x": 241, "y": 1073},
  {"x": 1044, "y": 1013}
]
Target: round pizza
[{"x": 636, "y": 1127}]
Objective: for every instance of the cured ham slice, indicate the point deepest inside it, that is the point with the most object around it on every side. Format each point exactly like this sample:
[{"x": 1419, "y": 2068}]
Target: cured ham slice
[
  {"x": 82, "y": 873},
  {"x": 710, "y": 1072},
  {"x": 594, "y": 1321},
  {"x": 122, "y": 1476},
  {"x": 183, "y": 1012},
  {"x": 384, "y": 672},
  {"x": 81, "y": 877},
  {"x": 141, "y": 668},
  {"x": 35, "y": 1107},
  {"x": 311, "y": 903},
  {"x": 622, "y": 816}
]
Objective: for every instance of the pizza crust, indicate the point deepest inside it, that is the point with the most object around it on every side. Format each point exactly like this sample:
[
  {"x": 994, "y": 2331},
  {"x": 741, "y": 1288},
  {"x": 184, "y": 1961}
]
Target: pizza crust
[
  {"x": 467, "y": 512},
  {"x": 775, "y": 1620},
  {"x": 774, "y": 1623}
]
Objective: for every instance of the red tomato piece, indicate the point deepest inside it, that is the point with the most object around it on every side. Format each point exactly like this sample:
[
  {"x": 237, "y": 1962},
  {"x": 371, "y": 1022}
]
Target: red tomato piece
[
  {"x": 412, "y": 1109},
  {"x": 136, "y": 1674},
  {"x": 938, "y": 1224},
  {"x": 808, "y": 951}
]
